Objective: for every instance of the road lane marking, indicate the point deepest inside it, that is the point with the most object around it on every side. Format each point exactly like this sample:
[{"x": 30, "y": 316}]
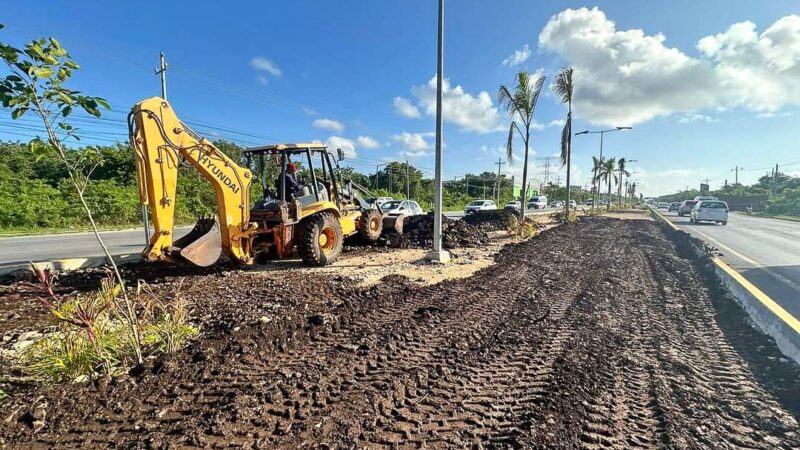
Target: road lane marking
[
  {"x": 759, "y": 295},
  {"x": 763, "y": 298},
  {"x": 755, "y": 263}
]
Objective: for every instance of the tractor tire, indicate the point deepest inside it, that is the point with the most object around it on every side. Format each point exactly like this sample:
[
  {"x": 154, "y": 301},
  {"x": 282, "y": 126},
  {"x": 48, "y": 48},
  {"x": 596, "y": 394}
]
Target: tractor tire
[
  {"x": 370, "y": 226},
  {"x": 320, "y": 239}
]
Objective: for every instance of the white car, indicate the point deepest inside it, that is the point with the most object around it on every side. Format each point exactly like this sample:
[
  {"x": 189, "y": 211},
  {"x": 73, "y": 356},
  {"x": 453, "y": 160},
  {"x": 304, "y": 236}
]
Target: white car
[
  {"x": 480, "y": 205},
  {"x": 537, "y": 202},
  {"x": 381, "y": 200},
  {"x": 573, "y": 204},
  {"x": 709, "y": 211},
  {"x": 513, "y": 206},
  {"x": 405, "y": 207}
]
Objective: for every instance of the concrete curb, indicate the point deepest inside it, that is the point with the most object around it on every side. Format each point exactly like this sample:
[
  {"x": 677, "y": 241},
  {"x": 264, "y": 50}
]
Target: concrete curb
[
  {"x": 67, "y": 264},
  {"x": 767, "y": 314}
]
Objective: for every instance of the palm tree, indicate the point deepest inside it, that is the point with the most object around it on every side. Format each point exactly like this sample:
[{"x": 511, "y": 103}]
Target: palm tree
[
  {"x": 519, "y": 105},
  {"x": 622, "y": 174},
  {"x": 563, "y": 87},
  {"x": 596, "y": 166},
  {"x": 607, "y": 173}
]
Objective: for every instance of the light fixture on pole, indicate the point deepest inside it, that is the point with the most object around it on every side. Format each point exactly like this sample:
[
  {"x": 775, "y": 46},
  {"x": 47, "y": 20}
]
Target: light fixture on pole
[
  {"x": 595, "y": 187},
  {"x": 438, "y": 254}
]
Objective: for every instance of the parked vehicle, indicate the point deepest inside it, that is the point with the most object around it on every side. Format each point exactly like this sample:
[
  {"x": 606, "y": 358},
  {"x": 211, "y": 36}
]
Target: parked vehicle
[
  {"x": 710, "y": 211},
  {"x": 686, "y": 207},
  {"x": 513, "y": 206},
  {"x": 381, "y": 200},
  {"x": 674, "y": 206},
  {"x": 480, "y": 205},
  {"x": 405, "y": 207},
  {"x": 537, "y": 202},
  {"x": 554, "y": 204},
  {"x": 589, "y": 202},
  {"x": 573, "y": 204}
]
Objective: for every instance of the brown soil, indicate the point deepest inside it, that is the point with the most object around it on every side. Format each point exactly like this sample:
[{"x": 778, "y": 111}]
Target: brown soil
[{"x": 570, "y": 341}]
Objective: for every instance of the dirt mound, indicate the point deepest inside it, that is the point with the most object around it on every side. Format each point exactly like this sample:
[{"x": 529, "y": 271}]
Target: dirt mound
[
  {"x": 418, "y": 232},
  {"x": 495, "y": 220},
  {"x": 571, "y": 341}
]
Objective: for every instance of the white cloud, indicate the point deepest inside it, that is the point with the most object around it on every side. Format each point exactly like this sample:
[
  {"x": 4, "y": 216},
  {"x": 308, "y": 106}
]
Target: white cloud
[
  {"x": 624, "y": 77},
  {"x": 518, "y": 57},
  {"x": 346, "y": 145},
  {"x": 694, "y": 117},
  {"x": 263, "y": 64},
  {"x": 471, "y": 112},
  {"x": 410, "y": 154},
  {"x": 536, "y": 125},
  {"x": 309, "y": 111},
  {"x": 367, "y": 142},
  {"x": 413, "y": 142},
  {"x": 328, "y": 124},
  {"x": 403, "y": 107}
]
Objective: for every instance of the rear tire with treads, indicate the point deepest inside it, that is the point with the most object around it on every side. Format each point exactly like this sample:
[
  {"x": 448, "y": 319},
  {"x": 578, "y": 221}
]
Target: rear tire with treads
[{"x": 320, "y": 239}]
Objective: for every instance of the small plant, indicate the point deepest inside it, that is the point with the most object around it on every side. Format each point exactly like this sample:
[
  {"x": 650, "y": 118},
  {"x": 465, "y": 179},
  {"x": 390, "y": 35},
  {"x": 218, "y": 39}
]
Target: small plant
[
  {"x": 522, "y": 229},
  {"x": 94, "y": 336},
  {"x": 562, "y": 217},
  {"x": 168, "y": 327}
]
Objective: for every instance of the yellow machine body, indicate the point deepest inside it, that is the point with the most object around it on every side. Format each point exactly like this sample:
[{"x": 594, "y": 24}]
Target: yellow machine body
[{"x": 161, "y": 142}]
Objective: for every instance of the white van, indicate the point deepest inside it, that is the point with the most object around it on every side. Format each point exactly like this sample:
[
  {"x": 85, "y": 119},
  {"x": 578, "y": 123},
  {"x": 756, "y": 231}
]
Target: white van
[{"x": 537, "y": 202}]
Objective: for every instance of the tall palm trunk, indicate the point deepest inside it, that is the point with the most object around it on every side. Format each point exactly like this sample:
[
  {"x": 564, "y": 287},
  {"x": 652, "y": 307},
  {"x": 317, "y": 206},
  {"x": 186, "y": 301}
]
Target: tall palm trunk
[
  {"x": 608, "y": 203},
  {"x": 523, "y": 193},
  {"x": 569, "y": 157}
]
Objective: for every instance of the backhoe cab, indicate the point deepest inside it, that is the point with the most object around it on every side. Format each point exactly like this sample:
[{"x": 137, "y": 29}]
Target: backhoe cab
[{"x": 314, "y": 215}]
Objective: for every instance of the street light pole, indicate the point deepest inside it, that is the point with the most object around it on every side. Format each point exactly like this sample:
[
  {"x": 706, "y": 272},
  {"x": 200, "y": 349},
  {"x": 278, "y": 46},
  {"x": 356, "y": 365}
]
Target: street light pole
[
  {"x": 595, "y": 186},
  {"x": 438, "y": 254}
]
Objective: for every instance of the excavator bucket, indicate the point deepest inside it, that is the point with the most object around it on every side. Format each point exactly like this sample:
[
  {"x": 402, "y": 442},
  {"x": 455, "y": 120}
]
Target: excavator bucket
[{"x": 203, "y": 245}]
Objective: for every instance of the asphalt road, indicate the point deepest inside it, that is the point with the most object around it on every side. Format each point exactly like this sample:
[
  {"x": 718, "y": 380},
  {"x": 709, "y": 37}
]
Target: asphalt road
[
  {"x": 765, "y": 251},
  {"x": 15, "y": 252}
]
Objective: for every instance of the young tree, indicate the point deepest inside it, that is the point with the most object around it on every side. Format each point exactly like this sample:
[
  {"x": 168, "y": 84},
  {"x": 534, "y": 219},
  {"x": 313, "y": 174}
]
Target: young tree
[
  {"x": 520, "y": 104},
  {"x": 35, "y": 83},
  {"x": 563, "y": 88},
  {"x": 622, "y": 174}
]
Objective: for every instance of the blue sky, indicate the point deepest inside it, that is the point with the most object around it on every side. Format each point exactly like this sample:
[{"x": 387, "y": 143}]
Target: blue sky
[{"x": 356, "y": 74}]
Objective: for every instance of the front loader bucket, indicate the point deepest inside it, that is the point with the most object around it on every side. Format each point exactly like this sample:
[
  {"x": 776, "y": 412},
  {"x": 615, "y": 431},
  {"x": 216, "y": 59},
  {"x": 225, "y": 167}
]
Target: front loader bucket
[
  {"x": 203, "y": 245},
  {"x": 393, "y": 224}
]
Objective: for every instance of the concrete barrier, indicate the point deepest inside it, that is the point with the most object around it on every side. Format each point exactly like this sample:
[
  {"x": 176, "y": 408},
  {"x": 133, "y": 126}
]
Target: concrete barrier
[
  {"x": 767, "y": 314},
  {"x": 65, "y": 264}
]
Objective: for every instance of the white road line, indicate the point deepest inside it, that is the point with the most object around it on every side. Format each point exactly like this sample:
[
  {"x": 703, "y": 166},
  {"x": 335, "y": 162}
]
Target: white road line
[{"x": 755, "y": 263}]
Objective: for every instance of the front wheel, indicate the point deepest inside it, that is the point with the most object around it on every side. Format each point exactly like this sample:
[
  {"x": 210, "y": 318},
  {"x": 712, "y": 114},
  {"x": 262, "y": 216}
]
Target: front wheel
[
  {"x": 724, "y": 222},
  {"x": 370, "y": 225},
  {"x": 320, "y": 239}
]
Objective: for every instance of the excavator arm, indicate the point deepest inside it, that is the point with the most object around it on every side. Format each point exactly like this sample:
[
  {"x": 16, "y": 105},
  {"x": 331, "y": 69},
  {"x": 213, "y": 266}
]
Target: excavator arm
[{"x": 161, "y": 142}]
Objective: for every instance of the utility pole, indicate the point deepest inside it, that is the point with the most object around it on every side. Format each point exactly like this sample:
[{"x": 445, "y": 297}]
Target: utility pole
[
  {"x": 497, "y": 182},
  {"x": 408, "y": 184},
  {"x": 483, "y": 182},
  {"x": 736, "y": 180},
  {"x": 775, "y": 181},
  {"x": 162, "y": 71}
]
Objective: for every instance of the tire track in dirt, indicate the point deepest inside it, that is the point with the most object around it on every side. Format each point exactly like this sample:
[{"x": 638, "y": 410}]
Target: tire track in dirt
[{"x": 570, "y": 341}]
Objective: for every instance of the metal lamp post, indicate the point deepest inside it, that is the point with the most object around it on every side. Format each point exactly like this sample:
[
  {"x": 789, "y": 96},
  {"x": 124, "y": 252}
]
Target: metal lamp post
[
  {"x": 601, "y": 133},
  {"x": 438, "y": 254}
]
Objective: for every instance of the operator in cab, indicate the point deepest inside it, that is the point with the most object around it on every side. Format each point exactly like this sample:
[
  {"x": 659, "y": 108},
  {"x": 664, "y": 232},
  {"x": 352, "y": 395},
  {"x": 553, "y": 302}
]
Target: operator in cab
[{"x": 289, "y": 180}]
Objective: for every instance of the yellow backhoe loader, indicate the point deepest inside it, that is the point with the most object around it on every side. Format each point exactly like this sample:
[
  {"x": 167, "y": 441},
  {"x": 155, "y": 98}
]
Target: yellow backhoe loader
[{"x": 313, "y": 215}]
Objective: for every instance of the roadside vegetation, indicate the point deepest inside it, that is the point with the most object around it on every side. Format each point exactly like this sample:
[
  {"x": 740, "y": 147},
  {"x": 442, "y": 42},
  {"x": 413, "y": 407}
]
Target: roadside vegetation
[{"x": 771, "y": 195}]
